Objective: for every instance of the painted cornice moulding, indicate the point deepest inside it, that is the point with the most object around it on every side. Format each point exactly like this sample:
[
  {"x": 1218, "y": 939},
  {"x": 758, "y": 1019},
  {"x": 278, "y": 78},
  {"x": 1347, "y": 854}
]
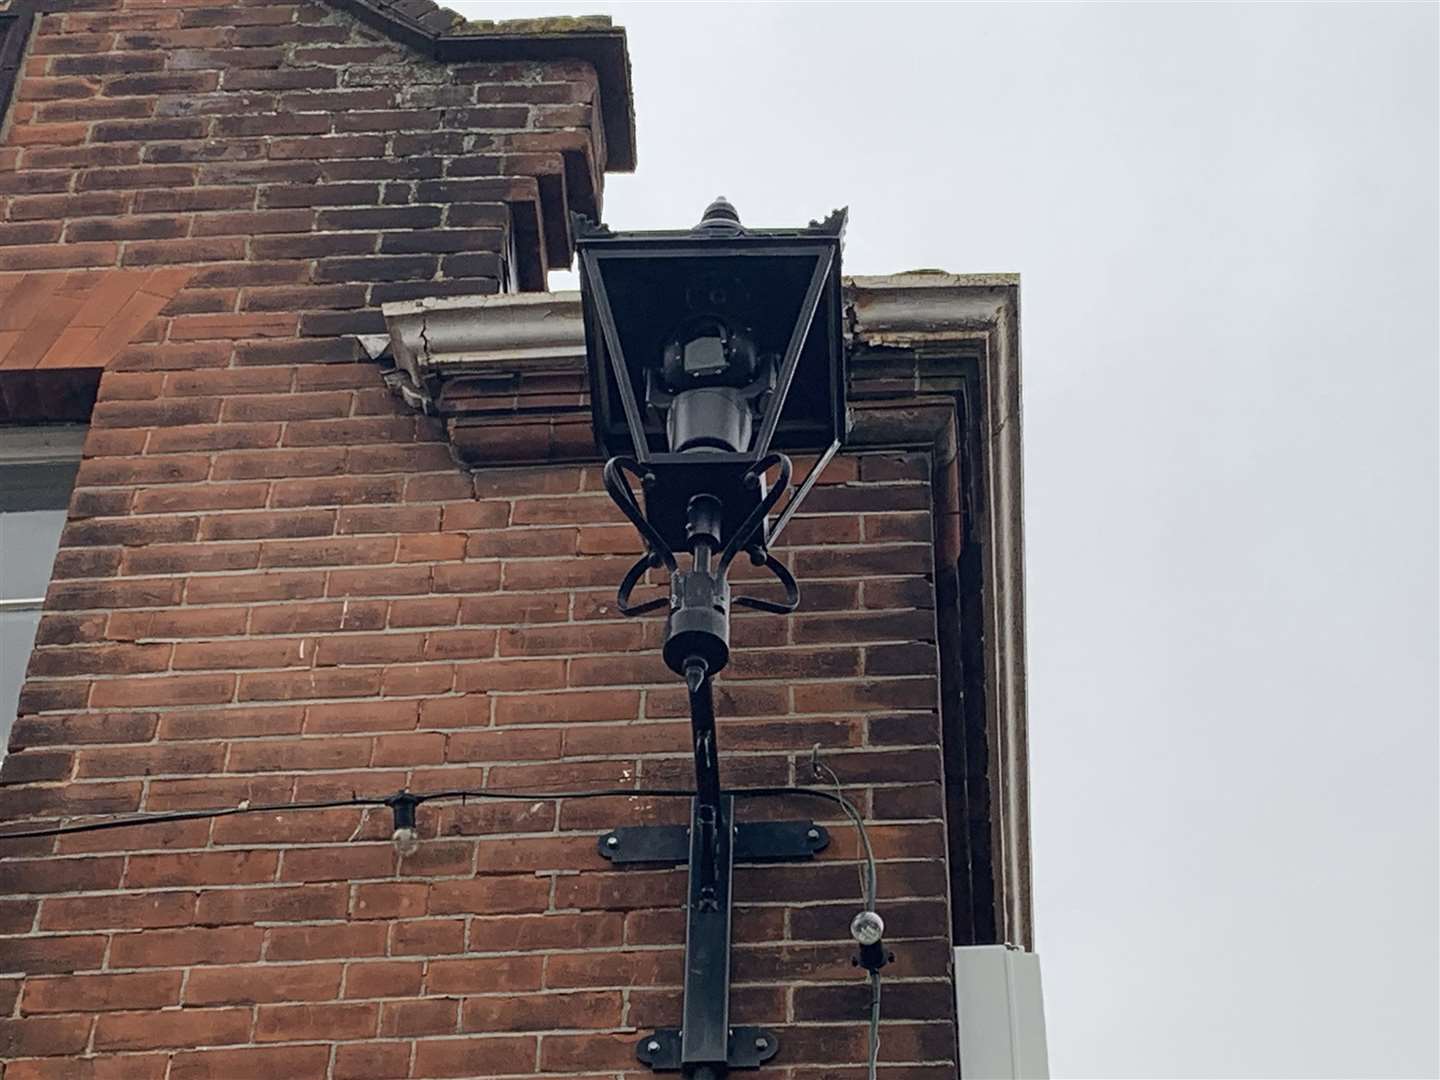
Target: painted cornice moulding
[{"x": 532, "y": 332}]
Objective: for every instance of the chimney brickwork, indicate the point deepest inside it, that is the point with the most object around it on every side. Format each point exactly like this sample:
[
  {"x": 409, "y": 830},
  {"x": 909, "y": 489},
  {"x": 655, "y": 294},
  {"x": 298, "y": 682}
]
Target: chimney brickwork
[{"x": 279, "y": 584}]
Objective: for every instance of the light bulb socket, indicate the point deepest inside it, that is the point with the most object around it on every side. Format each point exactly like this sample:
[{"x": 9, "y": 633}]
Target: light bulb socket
[
  {"x": 402, "y": 805},
  {"x": 874, "y": 957},
  {"x": 868, "y": 930}
]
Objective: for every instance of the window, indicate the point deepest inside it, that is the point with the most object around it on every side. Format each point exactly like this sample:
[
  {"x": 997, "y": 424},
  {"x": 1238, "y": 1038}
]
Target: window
[
  {"x": 37, "y": 472},
  {"x": 14, "y": 29}
]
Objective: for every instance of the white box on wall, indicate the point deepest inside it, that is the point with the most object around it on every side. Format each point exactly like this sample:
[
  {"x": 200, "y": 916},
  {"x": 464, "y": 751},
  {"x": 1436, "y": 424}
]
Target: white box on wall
[{"x": 1002, "y": 1014}]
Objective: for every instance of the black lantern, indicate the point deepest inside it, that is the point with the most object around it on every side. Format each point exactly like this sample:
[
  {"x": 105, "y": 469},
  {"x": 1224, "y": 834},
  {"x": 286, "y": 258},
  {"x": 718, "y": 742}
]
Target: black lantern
[{"x": 711, "y": 353}]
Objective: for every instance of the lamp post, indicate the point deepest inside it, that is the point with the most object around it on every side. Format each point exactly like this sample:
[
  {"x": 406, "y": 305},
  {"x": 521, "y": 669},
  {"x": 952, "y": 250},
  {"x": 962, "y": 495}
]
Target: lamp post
[{"x": 711, "y": 351}]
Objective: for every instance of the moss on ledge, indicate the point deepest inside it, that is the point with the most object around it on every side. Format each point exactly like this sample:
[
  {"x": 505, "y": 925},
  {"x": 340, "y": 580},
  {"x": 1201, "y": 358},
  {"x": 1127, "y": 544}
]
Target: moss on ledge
[{"x": 551, "y": 24}]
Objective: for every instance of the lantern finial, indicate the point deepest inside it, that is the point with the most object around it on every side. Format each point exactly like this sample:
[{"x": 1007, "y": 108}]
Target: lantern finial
[{"x": 720, "y": 214}]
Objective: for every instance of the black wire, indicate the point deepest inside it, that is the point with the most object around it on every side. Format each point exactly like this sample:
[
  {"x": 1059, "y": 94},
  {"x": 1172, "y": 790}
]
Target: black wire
[
  {"x": 332, "y": 804},
  {"x": 420, "y": 797},
  {"x": 603, "y": 793},
  {"x": 186, "y": 815}
]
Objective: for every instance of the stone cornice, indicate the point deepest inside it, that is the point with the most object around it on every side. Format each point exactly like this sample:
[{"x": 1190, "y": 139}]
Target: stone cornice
[
  {"x": 480, "y": 335},
  {"x": 924, "y": 307},
  {"x": 484, "y": 335}
]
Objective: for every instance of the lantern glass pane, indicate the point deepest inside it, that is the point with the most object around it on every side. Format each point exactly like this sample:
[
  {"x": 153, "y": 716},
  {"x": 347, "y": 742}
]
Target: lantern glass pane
[{"x": 653, "y": 295}]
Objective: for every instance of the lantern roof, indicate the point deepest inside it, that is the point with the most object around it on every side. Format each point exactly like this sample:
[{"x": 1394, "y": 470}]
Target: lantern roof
[{"x": 778, "y": 287}]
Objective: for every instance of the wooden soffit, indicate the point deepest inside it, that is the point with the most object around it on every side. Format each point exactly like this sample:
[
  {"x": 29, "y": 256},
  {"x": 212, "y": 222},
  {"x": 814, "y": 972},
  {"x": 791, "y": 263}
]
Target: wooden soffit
[{"x": 59, "y": 330}]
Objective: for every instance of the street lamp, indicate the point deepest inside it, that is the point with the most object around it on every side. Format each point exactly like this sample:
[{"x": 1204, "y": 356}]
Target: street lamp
[{"x": 711, "y": 352}]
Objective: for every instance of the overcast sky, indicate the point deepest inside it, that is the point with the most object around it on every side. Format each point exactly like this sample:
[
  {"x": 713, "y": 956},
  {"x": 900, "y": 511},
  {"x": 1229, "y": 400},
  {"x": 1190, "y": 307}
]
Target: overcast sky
[{"x": 1226, "y": 221}]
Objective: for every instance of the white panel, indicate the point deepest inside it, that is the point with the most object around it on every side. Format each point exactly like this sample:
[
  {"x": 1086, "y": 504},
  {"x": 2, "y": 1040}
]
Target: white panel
[{"x": 1002, "y": 1014}]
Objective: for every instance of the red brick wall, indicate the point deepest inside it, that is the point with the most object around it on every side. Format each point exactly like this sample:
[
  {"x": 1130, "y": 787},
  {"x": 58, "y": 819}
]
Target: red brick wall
[
  {"x": 276, "y": 584},
  {"x": 323, "y": 167}
]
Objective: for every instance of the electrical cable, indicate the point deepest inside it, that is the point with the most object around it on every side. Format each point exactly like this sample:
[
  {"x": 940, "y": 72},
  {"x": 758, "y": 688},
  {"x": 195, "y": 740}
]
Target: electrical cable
[
  {"x": 436, "y": 796},
  {"x": 874, "y": 1057},
  {"x": 867, "y": 867},
  {"x": 333, "y": 804},
  {"x": 869, "y": 888},
  {"x": 185, "y": 815},
  {"x": 600, "y": 793}
]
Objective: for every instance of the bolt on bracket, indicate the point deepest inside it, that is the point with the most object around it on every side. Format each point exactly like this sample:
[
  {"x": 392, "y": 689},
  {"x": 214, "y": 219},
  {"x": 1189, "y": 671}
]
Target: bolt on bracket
[
  {"x": 749, "y": 1048},
  {"x": 755, "y": 842}
]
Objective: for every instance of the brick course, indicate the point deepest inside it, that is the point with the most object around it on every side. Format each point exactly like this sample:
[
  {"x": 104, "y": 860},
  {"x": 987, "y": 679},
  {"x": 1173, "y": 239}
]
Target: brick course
[{"x": 277, "y": 584}]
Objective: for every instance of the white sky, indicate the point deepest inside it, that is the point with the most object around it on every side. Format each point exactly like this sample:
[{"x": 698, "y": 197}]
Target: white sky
[{"x": 1226, "y": 219}]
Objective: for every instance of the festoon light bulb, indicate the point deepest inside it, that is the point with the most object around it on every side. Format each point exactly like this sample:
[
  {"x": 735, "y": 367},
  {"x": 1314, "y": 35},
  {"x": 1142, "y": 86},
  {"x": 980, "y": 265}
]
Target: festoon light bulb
[
  {"x": 405, "y": 837},
  {"x": 867, "y": 928}
]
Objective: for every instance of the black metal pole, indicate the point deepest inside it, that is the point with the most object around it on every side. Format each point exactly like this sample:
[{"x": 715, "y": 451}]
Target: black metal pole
[
  {"x": 704, "y": 537},
  {"x": 702, "y": 729},
  {"x": 705, "y": 1031}
]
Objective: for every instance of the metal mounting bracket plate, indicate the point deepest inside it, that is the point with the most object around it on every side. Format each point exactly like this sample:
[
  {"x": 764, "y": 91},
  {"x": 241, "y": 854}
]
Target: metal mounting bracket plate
[
  {"x": 749, "y": 1048},
  {"x": 755, "y": 841}
]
